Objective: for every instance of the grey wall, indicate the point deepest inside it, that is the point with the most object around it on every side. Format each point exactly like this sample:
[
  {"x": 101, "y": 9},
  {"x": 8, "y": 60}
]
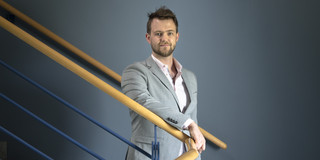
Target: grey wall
[{"x": 256, "y": 63}]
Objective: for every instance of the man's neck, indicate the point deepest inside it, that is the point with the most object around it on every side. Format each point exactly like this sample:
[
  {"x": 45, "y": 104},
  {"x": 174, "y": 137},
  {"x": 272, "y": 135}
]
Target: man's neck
[{"x": 165, "y": 60}]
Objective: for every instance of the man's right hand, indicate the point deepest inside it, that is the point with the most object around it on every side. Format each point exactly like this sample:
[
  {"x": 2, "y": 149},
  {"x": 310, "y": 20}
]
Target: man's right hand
[{"x": 197, "y": 136}]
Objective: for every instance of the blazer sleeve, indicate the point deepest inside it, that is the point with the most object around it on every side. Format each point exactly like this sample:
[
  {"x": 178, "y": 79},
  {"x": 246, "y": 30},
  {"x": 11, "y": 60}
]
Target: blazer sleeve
[{"x": 134, "y": 85}]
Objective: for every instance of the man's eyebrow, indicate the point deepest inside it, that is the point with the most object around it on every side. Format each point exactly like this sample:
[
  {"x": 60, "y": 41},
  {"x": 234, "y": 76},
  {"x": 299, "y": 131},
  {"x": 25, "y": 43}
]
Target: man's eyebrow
[{"x": 170, "y": 30}]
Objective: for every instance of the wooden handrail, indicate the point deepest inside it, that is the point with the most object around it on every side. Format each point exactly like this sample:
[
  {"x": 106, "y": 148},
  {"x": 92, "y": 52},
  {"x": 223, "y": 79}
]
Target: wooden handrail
[
  {"x": 54, "y": 55},
  {"x": 192, "y": 152},
  {"x": 213, "y": 139},
  {"x": 89, "y": 59},
  {"x": 190, "y": 155},
  {"x": 61, "y": 41}
]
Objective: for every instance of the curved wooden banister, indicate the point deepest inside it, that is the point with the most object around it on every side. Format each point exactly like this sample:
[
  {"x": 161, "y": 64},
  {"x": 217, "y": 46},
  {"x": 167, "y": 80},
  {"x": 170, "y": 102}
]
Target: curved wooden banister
[
  {"x": 192, "y": 152},
  {"x": 89, "y": 59},
  {"x": 189, "y": 155}
]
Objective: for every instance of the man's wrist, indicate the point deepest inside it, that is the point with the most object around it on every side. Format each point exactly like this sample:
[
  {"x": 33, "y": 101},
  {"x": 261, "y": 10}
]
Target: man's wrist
[{"x": 187, "y": 124}]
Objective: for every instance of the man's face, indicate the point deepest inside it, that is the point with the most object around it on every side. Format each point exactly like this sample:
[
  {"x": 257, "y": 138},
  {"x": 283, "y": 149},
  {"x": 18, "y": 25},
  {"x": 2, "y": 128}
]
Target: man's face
[{"x": 163, "y": 37}]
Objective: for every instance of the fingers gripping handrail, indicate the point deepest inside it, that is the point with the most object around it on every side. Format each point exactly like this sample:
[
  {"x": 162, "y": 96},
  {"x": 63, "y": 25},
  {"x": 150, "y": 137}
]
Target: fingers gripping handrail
[
  {"x": 86, "y": 57},
  {"x": 91, "y": 79},
  {"x": 61, "y": 41}
]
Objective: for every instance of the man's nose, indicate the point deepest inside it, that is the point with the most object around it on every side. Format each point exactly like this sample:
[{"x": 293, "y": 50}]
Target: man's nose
[{"x": 164, "y": 38}]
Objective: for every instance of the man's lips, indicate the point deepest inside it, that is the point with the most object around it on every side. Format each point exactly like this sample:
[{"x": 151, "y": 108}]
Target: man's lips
[{"x": 164, "y": 45}]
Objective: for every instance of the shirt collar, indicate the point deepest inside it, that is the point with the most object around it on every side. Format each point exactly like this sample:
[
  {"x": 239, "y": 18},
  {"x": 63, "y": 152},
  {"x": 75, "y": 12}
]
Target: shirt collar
[{"x": 165, "y": 67}]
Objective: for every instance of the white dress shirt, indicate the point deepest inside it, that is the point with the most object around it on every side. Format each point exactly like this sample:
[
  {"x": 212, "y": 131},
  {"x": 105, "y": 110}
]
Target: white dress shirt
[{"x": 180, "y": 89}]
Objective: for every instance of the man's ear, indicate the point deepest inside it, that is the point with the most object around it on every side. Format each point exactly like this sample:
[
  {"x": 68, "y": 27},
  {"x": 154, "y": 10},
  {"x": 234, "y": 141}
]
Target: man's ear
[
  {"x": 177, "y": 37},
  {"x": 148, "y": 37}
]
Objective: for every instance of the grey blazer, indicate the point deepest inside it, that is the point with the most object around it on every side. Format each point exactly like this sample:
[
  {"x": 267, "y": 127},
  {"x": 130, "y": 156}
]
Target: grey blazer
[{"x": 145, "y": 83}]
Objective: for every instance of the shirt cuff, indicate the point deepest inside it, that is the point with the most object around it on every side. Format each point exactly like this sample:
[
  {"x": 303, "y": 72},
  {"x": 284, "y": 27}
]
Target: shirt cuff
[{"x": 187, "y": 123}]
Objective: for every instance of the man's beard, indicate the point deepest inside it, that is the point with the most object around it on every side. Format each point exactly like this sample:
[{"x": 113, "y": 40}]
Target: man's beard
[{"x": 164, "y": 53}]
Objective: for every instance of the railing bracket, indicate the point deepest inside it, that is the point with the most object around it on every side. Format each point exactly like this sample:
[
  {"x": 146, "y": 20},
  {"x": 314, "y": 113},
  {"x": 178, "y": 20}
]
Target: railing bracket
[{"x": 155, "y": 146}]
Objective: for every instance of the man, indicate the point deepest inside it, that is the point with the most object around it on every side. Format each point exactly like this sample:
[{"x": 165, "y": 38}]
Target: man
[{"x": 161, "y": 85}]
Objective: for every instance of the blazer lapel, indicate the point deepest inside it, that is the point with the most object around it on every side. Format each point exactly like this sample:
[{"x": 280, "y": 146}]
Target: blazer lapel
[
  {"x": 188, "y": 87},
  {"x": 154, "y": 68}
]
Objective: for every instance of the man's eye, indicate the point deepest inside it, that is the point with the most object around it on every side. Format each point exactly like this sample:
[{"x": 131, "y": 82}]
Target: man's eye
[
  {"x": 158, "y": 34},
  {"x": 170, "y": 34}
]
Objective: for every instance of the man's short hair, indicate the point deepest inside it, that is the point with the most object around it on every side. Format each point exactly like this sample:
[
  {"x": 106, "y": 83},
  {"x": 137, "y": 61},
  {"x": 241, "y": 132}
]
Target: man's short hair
[{"x": 162, "y": 13}]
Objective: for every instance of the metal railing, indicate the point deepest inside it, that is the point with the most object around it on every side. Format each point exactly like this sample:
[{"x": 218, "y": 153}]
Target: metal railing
[
  {"x": 24, "y": 142},
  {"x": 73, "y": 108},
  {"x": 51, "y": 127}
]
